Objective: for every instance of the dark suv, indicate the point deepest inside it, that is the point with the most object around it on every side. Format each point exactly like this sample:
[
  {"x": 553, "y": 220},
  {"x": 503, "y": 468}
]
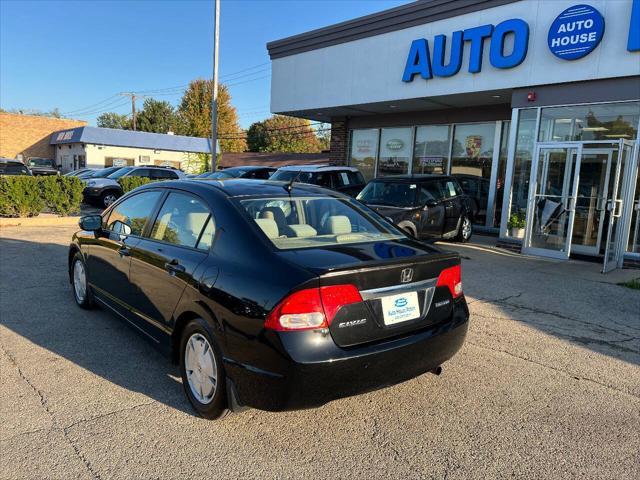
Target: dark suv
[
  {"x": 347, "y": 180},
  {"x": 43, "y": 166},
  {"x": 424, "y": 206}
]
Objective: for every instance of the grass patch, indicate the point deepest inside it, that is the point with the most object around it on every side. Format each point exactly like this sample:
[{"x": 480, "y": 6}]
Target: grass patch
[{"x": 634, "y": 284}]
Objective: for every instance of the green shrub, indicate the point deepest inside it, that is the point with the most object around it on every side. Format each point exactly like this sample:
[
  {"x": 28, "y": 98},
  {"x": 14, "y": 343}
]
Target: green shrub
[
  {"x": 62, "y": 195},
  {"x": 25, "y": 196},
  {"x": 130, "y": 183},
  {"x": 20, "y": 197}
]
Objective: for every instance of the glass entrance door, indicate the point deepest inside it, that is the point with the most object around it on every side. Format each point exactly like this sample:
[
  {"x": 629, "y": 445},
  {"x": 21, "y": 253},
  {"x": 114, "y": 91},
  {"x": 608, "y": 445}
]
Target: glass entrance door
[
  {"x": 615, "y": 247},
  {"x": 591, "y": 201},
  {"x": 552, "y": 200}
]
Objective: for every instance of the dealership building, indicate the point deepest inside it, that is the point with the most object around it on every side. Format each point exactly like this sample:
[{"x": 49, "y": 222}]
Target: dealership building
[{"x": 533, "y": 104}]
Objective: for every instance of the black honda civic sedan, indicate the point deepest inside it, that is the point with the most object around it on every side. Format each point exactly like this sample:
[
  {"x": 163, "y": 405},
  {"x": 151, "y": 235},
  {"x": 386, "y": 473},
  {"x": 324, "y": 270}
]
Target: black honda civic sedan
[{"x": 270, "y": 295}]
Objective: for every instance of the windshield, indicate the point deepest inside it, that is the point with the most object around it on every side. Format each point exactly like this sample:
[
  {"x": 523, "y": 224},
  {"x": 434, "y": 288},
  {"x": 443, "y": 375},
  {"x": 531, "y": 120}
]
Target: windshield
[
  {"x": 223, "y": 174},
  {"x": 400, "y": 194},
  {"x": 307, "y": 222},
  {"x": 120, "y": 172},
  {"x": 40, "y": 162}
]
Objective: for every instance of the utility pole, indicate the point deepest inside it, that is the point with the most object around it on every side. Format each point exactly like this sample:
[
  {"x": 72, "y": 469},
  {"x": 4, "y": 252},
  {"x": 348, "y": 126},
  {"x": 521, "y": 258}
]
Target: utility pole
[
  {"x": 214, "y": 94},
  {"x": 133, "y": 105}
]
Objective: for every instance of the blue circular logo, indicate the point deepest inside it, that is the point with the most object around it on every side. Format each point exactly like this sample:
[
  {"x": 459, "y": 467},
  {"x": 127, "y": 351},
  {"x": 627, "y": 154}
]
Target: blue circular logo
[
  {"x": 401, "y": 302},
  {"x": 576, "y": 32}
]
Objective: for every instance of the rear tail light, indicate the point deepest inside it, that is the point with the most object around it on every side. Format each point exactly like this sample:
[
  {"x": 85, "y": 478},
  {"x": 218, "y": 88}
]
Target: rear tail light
[
  {"x": 452, "y": 279},
  {"x": 311, "y": 308}
]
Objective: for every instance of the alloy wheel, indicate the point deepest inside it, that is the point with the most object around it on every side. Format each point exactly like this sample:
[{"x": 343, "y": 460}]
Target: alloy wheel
[
  {"x": 200, "y": 366},
  {"x": 466, "y": 228},
  {"x": 79, "y": 281},
  {"x": 109, "y": 199}
]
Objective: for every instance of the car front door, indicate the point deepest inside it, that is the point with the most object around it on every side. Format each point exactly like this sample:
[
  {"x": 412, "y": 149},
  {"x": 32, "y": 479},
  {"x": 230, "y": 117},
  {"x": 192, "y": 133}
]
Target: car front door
[
  {"x": 109, "y": 256},
  {"x": 166, "y": 260},
  {"x": 433, "y": 220},
  {"x": 452, "y": 205}
]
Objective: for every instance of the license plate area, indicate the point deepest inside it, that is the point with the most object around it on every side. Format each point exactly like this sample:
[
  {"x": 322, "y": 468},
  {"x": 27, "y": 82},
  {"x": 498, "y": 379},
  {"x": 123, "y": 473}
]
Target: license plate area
[{"x": 400, "y": 308}]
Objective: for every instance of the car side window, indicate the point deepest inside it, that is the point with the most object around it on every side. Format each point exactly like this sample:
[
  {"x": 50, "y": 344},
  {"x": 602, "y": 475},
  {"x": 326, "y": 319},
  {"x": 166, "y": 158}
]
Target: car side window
[
  {"x": 181, "y": 220},
  {"x": 206, "y": 239},
  {"x": 162, "y": 174},
  {"x": 458, "y": 188},
  {"x": 140, "y": 172},
  {"x": 344, "y": 180},
  {"x": 323, "y": 179},
  {"x": 429, "y": 192},
  {"x": 130, "y": 216},
  {"x": 448, "y": 188}
]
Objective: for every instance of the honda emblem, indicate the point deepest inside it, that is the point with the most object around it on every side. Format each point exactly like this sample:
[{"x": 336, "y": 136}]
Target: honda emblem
[{"x": 406, "y": 275}]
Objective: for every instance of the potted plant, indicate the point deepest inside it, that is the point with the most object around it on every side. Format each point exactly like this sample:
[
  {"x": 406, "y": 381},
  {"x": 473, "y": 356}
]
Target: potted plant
[{"x": 516, "y": 224}]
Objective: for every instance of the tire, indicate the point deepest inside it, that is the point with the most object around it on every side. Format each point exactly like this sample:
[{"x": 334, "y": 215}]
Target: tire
[
  {"x": 108, "y": 197},
  {"x": 199, "y": 358},
  {"x": 465, "y": 230},
  {"x": 80, "y": 283}
]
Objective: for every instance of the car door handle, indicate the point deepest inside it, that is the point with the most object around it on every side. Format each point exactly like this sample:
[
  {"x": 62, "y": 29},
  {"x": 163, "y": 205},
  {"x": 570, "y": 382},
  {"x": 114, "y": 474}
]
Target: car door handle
[
  {"x": 124, "y": 251},
  {"x": 174, "y": 267}
]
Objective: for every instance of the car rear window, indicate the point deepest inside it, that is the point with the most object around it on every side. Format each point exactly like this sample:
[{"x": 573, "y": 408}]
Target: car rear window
[
  {"x": 307, "y": 222},
  {"x": 400, "y": 194}
]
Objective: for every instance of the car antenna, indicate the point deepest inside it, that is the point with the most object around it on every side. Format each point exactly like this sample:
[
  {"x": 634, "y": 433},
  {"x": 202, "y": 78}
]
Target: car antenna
[{"x": 289, "y": 185}]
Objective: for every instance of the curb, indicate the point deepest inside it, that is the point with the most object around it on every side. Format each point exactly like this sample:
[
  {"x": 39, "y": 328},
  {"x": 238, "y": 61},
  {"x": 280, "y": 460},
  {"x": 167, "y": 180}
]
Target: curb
[{"x": 40, "y": 221}]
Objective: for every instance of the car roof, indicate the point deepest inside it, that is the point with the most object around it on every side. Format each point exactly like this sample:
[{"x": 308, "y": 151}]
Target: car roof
[
  {"x": 317, "y": 168},
  {"x": 239, "y": 187},
  {"x": 10, "y": 160},
  {"x": 247, "y": 168},
  {"x": 412, "y": 178}
]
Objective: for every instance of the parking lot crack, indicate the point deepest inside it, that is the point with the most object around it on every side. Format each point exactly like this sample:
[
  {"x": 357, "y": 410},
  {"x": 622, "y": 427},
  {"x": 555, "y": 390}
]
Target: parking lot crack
[
  {"x": 559, "y": 370},
  {"x": 45, "y": 405}
]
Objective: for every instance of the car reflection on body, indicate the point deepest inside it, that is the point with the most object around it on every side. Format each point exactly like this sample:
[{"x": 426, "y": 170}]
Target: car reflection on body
[{"x": 269, "y": 294}]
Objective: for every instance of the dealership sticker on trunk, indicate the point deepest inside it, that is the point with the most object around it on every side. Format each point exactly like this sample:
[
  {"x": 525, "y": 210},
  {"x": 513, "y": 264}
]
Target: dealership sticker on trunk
[{"x": 400, "y": 308}]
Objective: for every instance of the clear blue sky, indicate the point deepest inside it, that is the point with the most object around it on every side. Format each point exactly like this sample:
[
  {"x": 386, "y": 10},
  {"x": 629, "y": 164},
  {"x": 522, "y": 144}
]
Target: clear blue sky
[{"x": 74, "y": 54}]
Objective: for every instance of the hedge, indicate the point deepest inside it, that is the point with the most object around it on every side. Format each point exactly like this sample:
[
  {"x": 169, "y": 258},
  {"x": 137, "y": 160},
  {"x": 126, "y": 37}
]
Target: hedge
[
  {"x": 26, "y": 196},
  {"x": 129, "y": 183}
]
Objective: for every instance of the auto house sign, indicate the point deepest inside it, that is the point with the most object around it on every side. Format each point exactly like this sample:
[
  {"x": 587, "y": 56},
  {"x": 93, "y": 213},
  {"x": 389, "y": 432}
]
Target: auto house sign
[{"x": 576, "y": 32}]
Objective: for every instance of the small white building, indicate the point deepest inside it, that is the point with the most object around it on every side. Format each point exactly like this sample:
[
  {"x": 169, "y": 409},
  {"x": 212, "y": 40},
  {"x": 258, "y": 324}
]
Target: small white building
[{"x": 95, "y": 147}]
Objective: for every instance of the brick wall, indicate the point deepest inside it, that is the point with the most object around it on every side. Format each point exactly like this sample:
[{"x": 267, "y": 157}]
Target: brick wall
[
  {"x": 29, "y": 134},
  {"x": 339, "y": 141}
]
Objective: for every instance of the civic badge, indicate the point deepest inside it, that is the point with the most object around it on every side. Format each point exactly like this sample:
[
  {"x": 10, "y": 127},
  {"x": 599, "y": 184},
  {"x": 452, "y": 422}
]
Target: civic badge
[{"x": 406, "y": 275}]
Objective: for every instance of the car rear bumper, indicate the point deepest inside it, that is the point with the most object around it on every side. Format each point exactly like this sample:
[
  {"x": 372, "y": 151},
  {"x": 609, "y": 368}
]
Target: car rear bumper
[{"x": 313, "y": 377}]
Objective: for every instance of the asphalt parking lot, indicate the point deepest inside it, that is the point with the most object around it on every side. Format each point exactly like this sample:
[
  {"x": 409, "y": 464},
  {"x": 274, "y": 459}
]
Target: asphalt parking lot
[{"x": 546, "y": 386}]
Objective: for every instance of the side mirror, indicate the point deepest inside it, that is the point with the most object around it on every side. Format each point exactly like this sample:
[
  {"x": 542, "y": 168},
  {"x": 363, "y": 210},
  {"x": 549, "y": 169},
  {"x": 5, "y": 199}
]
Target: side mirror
[
  {"x": 121, "y": 228},
  {"x": 91, "y": 223}
]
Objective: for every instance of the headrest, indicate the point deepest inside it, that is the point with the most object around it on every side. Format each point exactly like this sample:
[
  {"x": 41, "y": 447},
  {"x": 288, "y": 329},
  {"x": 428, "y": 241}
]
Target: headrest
[
  {"x": 339, "y": 224},
  {"x": 303, "y": 230},
  {"x": 269, "y": 227}
]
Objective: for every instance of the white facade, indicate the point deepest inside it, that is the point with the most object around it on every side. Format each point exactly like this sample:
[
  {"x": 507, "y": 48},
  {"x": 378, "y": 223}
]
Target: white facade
[{"x": 369, "y": 70}]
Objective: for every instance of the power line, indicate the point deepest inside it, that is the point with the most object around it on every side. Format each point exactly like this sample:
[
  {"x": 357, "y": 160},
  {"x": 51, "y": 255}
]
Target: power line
[{"x": 90, "y": 106}]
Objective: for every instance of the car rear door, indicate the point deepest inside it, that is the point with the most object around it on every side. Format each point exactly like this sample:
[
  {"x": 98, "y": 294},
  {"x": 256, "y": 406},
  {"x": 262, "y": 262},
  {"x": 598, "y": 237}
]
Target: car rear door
[
  {"x": 109, "y": 256},
  {"x": 165, "y": 261}
]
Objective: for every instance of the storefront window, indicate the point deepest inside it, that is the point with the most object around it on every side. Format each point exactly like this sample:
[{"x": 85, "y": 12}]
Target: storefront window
[
  {"x": 395, "y": 151},
  {"x": 364, "y": 151},
  {"x": 431, "y": 152},
  {"x": 471, "y": 160},
  {"x": 525, "y": 137},
  {"x": 609, "y": 121},
  {"x": 502, "y": 170}
]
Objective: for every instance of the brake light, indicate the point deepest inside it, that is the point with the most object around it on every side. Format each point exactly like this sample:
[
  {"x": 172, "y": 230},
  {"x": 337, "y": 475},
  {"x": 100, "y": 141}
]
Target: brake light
[
  {"x": 311, "y": 308},
  {"x": 452, "y": 278}
]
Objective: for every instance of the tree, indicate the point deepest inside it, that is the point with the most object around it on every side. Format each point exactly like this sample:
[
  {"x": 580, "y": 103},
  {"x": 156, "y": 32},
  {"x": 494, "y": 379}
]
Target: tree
[
  {"x": 194, "y": 116},
  {"x": 324, "y": 136},
  {"x": 114, "y": 120},
  {"x": 157, "y": 116},
  {"x": 283, "y": 134}
]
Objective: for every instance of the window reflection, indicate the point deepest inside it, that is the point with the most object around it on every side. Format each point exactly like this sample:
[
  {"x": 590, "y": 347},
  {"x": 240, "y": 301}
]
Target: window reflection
[
  {"x": 431, "y": 153},
  {"x": 364, "y": 151},
  {"x": 395, "y": 151}
]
